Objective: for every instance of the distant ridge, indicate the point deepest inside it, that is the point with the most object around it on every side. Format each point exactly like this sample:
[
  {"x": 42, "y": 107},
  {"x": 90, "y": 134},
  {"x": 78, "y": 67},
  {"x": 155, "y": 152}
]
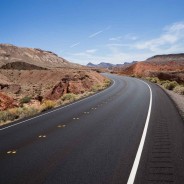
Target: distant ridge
[
  {"x": 103, "y": 65},
  {"x": 167, "y": 57},
  {"x": 158, "y": 65},
  {"x": 11, "y": 56}
]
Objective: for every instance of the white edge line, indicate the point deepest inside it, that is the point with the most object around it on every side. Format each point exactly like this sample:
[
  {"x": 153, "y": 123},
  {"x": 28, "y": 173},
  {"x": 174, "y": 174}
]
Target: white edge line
[
  {"x": 57, "y": 108},
  {"x": 141, "y": 145}
]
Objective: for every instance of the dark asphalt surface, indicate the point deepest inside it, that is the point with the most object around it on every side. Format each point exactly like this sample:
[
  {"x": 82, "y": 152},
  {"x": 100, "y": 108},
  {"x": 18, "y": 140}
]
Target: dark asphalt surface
[{"x": 94, "y": 141}]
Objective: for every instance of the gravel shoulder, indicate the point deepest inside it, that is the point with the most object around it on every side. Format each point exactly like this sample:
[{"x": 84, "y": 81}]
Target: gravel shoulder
[{"x": 178, "y": 100}]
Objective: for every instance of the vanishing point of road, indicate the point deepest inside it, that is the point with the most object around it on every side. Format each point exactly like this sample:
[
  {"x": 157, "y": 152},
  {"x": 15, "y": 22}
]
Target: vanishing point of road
[{"x": 129, "y": 133}]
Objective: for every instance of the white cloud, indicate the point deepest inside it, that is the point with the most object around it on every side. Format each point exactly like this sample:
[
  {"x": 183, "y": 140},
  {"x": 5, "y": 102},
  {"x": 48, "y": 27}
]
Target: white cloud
[
  {"x": 74, "y": 45},
  {"x": 78, "y": 54},
  {"x": 91, "y": 50},
  {"x": 118, "y": 45},
  {"x": 178, "y": 26},
  {"x": 171, "y": 38},
  {"x": 130, "y": 36},
  {"x": 95, "y": 34},
  {"x": 118, "y": 38},
  {"x": 113, "y": 57},
  {"x": 99, "y": 32}
]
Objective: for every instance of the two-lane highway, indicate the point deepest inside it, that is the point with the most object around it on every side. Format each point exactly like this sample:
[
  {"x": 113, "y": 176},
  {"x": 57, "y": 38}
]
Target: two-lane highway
[{"x": 96, "y": 140}]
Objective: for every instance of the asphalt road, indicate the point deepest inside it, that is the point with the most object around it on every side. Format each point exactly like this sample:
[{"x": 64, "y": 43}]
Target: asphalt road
[{"x": 96, "y": 140}]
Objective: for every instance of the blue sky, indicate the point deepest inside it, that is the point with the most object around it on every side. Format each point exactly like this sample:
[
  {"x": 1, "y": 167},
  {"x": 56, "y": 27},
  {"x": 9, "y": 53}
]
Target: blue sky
[{"x": 83, "y": 31}]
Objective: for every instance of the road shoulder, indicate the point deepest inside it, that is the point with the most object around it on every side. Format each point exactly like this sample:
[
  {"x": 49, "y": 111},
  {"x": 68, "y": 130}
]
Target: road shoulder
[{"x": 177, "y": 99}]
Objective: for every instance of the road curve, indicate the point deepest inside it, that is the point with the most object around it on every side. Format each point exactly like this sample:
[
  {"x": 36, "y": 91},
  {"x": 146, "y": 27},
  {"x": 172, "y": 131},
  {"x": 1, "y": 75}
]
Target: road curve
[{"x": 95, "y": 140}]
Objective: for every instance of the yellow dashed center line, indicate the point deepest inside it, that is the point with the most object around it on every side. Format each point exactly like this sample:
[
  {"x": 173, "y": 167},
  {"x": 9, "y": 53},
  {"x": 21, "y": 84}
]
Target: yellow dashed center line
[
  {"x": 42, "y": 136},
  {"x": 61, "y": 126},
  {"x": 12, "y": 152}
]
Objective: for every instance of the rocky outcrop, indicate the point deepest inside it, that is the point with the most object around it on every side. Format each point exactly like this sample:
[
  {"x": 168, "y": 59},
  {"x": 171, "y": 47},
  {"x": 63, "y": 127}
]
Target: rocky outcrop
[
  {"x": 6, "y": 102},
  {"x": 58, "y": 90},
  {"x": 76, "y": 84}
]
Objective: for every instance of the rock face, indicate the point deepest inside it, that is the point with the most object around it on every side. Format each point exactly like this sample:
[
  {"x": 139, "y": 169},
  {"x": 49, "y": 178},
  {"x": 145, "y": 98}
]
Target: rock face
[
  {"x": 40, "y": 75},
  {"x": 161, "y": 65},
  {"x": 76, "y": 82},
  {"x": 6, "y": 102}
]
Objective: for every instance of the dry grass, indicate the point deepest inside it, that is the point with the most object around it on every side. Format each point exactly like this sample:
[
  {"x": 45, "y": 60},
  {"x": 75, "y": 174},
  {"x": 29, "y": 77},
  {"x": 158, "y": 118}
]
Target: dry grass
[
  {"x": 47, "y": 104},
  {"x": 179, "y": 90},
  {"x": 170, "y": 85},
  {"x": 17, "y": 113},
  {"x": 69, "y": 97}
]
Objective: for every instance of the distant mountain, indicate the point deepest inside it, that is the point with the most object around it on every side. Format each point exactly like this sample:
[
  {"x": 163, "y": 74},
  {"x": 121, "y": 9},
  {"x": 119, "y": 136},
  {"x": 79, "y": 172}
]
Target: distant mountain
[
  {"x": 104, "y": 65},
  {"x": 91, "y": 65},
  {"x": 126, "y": 64},
  {"x": 100, "y": 65}
]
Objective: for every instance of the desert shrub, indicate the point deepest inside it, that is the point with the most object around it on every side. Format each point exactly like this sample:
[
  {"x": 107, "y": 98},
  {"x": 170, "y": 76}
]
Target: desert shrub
[
  {"x": 96, "y": 87},
  {"x": 179, "y": 89},
  {"x": 153, "y": 79},
  {"x": 69, "y": 97},
  {"x": 3, "y": 116},
  {"x": 47, "y": 104},
  {"x": 87, "y": 93},
  {"x": 107, "y": 82},
  {"x": 170, "y": 85},
  {"x": 162, "y": 82},
  {"x": 7, "y": 116},
  {"x": 148, "y": 78},
  {"x": 28, "y": 111},
  {"x": 15, "y": 113},
  {"x": 25, "y": 99}
]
